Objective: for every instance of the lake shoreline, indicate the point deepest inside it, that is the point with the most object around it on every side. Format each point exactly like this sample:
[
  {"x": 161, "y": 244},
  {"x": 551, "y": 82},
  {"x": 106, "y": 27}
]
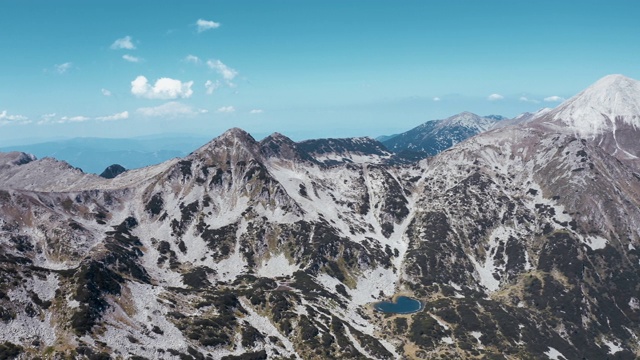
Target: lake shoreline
[{"x": 400, "y": 304}]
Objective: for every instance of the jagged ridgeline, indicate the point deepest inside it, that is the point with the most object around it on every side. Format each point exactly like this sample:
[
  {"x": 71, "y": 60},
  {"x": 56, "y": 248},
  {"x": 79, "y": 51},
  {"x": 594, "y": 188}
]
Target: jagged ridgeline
[{"x": 520, "y": 242}]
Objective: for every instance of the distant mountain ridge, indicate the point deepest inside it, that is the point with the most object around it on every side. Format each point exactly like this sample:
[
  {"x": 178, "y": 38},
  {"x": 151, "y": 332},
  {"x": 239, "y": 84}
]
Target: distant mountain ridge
[
  {"x": 435, "y": 136},
  {"x": 93, "y": 155}
]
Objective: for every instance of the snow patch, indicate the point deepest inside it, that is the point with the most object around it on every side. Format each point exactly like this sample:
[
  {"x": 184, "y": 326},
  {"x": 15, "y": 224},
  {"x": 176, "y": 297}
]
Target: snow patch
[
  {"x": 24, "y": 329},
  {"x": 485, "y": 273},
  {"x": 440, "y": 322},
  {"x": 46, "y": 289},
  {"x": 613, "y": 347},
  {"x": 595, "y": 242},
  {"x": 148, "y": 312},
  {"x": 277, "y": 265},
  {"x": 554, "y": 354},
  {"x": 371, "y": 283}
]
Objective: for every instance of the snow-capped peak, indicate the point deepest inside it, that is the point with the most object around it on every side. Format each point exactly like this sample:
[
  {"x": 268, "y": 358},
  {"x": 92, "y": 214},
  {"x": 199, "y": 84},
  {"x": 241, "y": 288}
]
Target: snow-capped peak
[
  {"x": 611, "y": 102},
  {"x": 469, "y": 120}
]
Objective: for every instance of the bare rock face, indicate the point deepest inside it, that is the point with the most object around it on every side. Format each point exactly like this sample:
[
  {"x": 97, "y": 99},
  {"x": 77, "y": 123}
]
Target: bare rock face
[
  {"x": 112, "y": 171},
  {"x": 521, "y": 243}
]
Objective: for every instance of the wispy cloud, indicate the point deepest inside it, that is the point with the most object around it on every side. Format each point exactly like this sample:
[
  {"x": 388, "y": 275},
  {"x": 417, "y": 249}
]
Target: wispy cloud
[
  {"x": 554, "y": 99},
  {"x": 227, "y": 73},
  {"x": 164, "y": 88},
  {"x": 63, "y": 68},
  {"x": 211, "y": 86},
  {"x": 51, "y": 119},
  {"x": 6, "y": 119},
  {"x": 119, "y": 116},
  {"x": 526, "y": 99},
  {"x": 105, "y": 92},
  {"x": 47, "y": 118},
  {"x": 495, "y": 97},
  {"x": 123, "y": 43},
  {"x": 256, "y": 111},
  {"x": 204, "y": 25},
  {"x": 436, "y": 99},
  {"x": 226, "y": 109},
  {"x": 170, "y": 109},
  {"x": 80, "y": 118},
  {"x": 133, "y": 59},
  {"x": 192, "y": 59}
]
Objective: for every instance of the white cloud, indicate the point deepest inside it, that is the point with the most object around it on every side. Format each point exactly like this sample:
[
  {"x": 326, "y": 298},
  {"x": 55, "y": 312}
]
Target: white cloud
[
  {"x": 256, "y": 111},
  {"x": 211, "y": 86},
  {"x": 495, "y": 97},
  {"x": 6, "y": 119},
  {"x": 192, "y": 59},
  {"x": 106, "y": 92},
  {"x": 226, "y": 72},
  {"x": 63, "y": 68},
  {"x": 526, "y": 99},
  {"x": 226, "y": 109},
  {"x": 66, "y": 119},
  {"x": 131, "y": 58},
  {"x": 51, "y": 119},
  {"x": 46, "y": 118},
  {"x": 436, "y": 99},
  {"x": 119, "y": 116},
  {"x": 164, "y": 88},
  {"x": 554, "y": 99},
  {"x": 123, "y": 43},
  {"x": 170, "y": 109},
  {"x": 204, "y": 25}
]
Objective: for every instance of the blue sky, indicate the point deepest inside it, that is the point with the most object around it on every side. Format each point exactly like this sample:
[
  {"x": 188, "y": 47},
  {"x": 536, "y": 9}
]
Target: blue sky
[{"x": 303, "y": 68}]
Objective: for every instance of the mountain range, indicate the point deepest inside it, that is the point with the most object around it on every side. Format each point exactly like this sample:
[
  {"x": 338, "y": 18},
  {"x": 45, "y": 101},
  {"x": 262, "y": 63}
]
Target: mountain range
[
  {"x": 436, "y": 136},
  {"x": 520, "y": 241}
]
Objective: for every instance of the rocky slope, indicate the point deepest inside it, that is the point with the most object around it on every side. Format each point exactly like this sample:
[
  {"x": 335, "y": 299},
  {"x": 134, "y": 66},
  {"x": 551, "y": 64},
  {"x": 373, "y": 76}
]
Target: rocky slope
[{"x": 522, "y": 243}]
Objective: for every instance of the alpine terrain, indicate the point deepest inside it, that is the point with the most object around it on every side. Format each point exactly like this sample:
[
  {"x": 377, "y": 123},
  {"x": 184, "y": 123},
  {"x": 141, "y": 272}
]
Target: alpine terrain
[{"x": 522, "y": 242}]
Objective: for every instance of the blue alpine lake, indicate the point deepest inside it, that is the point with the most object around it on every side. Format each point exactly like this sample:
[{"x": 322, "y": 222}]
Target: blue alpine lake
[{"x": 403, "y": 305}]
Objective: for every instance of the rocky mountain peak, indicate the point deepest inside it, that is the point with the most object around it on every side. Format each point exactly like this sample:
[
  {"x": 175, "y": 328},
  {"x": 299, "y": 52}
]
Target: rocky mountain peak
[
  {"x": 469, "y": 120},
  {"x": 276, "y": 138},
  {"x": 237, "y": 134},
  {"x": 279, "y": 146},
  {"x": 233, "y": 142},
  {"x": 610, "y": 103},
  {"x": 112, "y": 171},
  {"x": 15, "y": 158}
]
